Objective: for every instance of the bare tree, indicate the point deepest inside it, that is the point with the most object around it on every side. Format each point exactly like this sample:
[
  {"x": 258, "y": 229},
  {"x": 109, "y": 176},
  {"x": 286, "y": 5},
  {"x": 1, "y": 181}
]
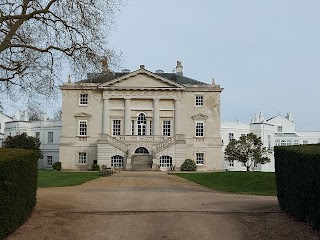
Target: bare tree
[
  {"x": 39, "y": 37},
  {"x": 57, "y": 115}
]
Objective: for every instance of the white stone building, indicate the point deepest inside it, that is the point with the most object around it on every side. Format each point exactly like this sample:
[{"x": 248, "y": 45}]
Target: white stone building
[
  {"x": 3, "y": 119},
  {"x": 47, "y": 131},
  {"x": 276, "y": 131},
  {"x": 140, "y": 120}
]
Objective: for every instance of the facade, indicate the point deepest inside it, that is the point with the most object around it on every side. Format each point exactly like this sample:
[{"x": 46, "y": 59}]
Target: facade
[
  {"x": 140, "y": 120},
  {"x": 47, "y": 131},
  {"x": 276, "y": 131},
  {"x": 3, "y": 119}
]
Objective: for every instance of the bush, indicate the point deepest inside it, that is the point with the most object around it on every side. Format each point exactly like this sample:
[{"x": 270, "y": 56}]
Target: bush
[
  {"x": 298, "y": 181},
  {"x": 95, "y": 167},
  {"x": 188, "y": 165},
  {"x": 18, "y": 187},
  {"x": 23, "y": 141},
  {"x": 56, "y": 166}
]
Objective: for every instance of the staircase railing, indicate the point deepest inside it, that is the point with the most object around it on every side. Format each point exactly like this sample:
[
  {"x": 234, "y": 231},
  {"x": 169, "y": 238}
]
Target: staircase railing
[
  {"x": 165, "y": 144},
  {"x": 114, "y": 142}
]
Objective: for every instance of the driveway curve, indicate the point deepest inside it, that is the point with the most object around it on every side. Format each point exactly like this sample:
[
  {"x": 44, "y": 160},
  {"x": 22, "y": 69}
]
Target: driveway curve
[{"x": 154, "y": 205}]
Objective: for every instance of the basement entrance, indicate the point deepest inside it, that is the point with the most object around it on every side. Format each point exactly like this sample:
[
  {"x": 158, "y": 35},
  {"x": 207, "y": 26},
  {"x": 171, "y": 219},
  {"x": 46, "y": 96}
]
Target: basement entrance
[{"x": 141, "y": 159}]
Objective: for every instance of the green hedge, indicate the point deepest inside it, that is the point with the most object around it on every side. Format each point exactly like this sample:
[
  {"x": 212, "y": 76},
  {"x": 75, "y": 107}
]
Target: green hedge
[
  {"x": 18, "y": 187},
  {"x": 298, "y": 181}
]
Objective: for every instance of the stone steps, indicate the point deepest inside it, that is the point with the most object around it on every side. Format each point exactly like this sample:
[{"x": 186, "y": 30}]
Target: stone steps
[{"x": 141, "y": 162}]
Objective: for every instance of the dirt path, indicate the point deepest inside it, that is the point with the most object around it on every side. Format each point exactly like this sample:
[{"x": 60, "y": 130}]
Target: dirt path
[{"x": 154, "y": 205}]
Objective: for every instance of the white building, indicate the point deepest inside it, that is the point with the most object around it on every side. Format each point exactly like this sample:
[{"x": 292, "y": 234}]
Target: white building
[
  {"x": 140, "y": 120},
  {"x": 48, "y": 132},
  {"x": 276, "y": 131},
  {"x": 3, "y": 119}
]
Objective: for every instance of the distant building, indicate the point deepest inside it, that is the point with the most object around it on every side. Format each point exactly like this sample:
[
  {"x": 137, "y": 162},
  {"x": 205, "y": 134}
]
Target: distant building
[
  {"x": 3, "y": 119},
  {"x": 276, "y": 131},
  {"x": 47, "y": 131},
  {"x": 140, "y": 120}
]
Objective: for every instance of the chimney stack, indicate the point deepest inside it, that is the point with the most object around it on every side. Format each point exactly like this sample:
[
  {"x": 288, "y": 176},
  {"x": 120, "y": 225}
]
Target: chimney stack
[{"x": 179, "y": 68}]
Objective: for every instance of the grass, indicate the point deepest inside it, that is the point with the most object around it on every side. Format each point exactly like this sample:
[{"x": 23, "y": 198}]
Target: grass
[
  {"x": 62, "y": 179},
  {"x": 255, "y": 183}
]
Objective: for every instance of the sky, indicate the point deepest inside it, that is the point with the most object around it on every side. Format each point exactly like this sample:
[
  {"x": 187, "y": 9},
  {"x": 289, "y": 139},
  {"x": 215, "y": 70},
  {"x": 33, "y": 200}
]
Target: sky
[{"x": 265, "y": 54}]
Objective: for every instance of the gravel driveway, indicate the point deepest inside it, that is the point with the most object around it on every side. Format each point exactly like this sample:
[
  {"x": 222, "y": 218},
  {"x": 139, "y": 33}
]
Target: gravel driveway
[{"x": 154, "y": 205}]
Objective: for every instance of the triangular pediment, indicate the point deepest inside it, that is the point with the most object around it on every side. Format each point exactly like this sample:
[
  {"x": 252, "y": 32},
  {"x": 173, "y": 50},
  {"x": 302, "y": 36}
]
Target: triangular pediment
[
  {"x": 141, "y": 79},
  {"x": 279, "y": 120}
]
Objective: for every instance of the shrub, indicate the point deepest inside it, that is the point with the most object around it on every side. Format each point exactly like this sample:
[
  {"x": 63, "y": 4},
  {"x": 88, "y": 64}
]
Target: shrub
[
  {"x": 23, "y": 141},
  {"x": 18, "y": 187},
  {"x": 188, "y": 165},
  {"x": 95, "y": 167},
  {"x": 56, "y": 166},
  {"x": 298, "y": 181}
]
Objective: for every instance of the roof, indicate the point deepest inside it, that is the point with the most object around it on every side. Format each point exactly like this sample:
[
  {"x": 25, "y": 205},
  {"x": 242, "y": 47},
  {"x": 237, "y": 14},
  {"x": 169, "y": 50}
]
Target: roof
[
  {"x": 286, "y": 135},
  {"x": 107, "y": 77}
]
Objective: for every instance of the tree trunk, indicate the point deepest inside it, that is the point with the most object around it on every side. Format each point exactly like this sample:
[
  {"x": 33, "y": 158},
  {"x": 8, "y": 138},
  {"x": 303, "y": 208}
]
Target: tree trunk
[{"x": 248, "y": 168}]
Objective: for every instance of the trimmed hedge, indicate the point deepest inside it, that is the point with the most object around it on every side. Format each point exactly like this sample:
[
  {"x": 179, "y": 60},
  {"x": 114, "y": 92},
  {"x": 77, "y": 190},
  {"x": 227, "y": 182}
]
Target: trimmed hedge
[
  {"x": 18, "y": 187},
  {"x": 298, "y": 181}
]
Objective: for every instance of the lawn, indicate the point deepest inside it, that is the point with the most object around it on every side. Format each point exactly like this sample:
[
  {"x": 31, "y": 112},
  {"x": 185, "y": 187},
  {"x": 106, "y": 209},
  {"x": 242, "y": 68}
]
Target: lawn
[
  {"x": 255, "y": 183},
  {"x": 62, "y": 179}
]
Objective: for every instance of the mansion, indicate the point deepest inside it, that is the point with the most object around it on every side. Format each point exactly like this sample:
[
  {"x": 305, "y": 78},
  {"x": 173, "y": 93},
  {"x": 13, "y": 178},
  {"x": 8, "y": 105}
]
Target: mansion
[
  {"x": 140, "y": 120},
  {"x": 145, "y": 120}
]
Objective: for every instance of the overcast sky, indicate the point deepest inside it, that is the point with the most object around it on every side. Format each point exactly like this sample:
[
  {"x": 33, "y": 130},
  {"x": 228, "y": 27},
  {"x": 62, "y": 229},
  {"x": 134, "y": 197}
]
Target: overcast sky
[{"x": 264, "y": 53}]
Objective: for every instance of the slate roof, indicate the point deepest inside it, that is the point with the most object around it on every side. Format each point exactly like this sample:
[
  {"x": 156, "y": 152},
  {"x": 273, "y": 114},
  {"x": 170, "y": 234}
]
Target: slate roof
[{"x": 103, "y": 78}]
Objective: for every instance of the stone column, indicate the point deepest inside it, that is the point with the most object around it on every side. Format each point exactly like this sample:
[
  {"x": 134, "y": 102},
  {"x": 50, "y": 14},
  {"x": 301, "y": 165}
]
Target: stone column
[
  {"x": 105, "y": 117},
  {"x": 177, "y": 117},
  {"x": 155, "y": 127},
  {"x": 127, "y": 117}
]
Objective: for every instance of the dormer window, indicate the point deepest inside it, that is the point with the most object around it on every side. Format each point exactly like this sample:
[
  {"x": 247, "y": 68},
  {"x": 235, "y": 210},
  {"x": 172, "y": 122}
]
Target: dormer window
[{"x": 83, "y": 99}]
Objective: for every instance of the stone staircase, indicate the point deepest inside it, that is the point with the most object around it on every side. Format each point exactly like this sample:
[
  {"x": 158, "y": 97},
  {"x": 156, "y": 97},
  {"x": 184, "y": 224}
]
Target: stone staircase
[{"x": 141, "y": 162}]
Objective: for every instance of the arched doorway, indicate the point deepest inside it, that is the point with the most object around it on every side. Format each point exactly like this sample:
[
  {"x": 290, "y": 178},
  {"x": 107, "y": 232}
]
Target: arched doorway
[
  {"x": 141, "y": 159},
  {"x": 142, "y": 150}
]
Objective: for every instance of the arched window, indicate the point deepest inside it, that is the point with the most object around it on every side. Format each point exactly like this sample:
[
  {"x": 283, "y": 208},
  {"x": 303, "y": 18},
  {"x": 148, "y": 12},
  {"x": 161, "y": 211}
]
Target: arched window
[
  {"x": 117, "y": 161},
  {"x": 142, "y": 123},
  {"x": 142, "y": 150},
  {"x": 165, "y": 161}
]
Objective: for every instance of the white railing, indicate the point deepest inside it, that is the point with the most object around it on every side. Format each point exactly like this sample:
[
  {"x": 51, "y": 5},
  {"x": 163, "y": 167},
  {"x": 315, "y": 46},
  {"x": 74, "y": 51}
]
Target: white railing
[
  {"x": 141, "y": 138},
  {"x": 114, "y": 142},
  {"x": 165, "y": 144}
]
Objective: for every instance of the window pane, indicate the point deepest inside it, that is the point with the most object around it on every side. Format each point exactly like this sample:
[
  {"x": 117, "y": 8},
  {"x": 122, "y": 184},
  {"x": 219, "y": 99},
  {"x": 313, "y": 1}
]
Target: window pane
[
  {"x": 199, "y": 158},
  {"x": 83, "y": 128},
  {"x": 50, "y": 137},
  {"x": 166, "y": 128},
  {"x": 117, "y": 161},
  {"x": 142, "y": 122},
  {"x": 83, "y": 99},
  {"x": 165, "y": 161},
  {"x": 116, "y": 127},
  {"x": 199, "y": 129},
  {"x": 231, "y": 136},
  {"x": 82, "y": 157},
  {"x": 199, "y": 100},
  {"x": 49, "y": 160}
]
